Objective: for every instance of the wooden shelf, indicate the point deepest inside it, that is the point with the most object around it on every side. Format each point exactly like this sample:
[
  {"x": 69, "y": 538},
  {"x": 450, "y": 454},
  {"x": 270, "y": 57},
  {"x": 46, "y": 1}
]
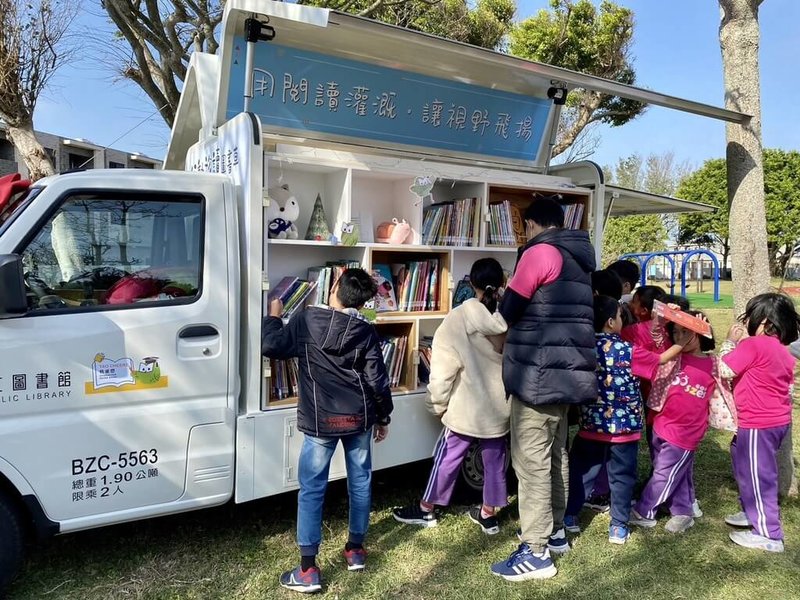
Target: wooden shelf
[{"x": 290, "y": 401}]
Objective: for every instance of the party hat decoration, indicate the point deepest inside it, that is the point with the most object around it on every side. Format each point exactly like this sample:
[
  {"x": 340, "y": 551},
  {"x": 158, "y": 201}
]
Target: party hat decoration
[{"x": 317, "y": 227}]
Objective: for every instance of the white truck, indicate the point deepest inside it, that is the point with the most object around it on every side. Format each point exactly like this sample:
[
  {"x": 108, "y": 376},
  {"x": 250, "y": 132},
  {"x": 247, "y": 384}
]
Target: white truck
[{"x": 131, "y": 379}]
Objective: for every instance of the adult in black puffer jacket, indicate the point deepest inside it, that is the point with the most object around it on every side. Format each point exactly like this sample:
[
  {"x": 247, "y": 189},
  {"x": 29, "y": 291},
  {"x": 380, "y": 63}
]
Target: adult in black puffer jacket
[{"x": 548, "y": 365}]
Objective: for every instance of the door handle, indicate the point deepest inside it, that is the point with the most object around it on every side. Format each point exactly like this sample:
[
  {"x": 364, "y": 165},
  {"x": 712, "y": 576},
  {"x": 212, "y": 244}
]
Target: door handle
[{"x": 194, "y": 331}]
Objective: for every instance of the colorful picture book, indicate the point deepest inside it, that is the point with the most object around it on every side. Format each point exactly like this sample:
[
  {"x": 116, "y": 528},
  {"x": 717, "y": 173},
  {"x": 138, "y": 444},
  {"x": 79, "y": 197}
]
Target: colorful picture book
[
  {"x": 679, "y": 317},
  {"x": 455, "y": 223},
  {"x": 394, "y": 351},
  {"x": 293, "y": 292},
  {"x": 416, "y": 285},
  {"x": 464, "y": 291},
  {"x": 385, "y": 299}
]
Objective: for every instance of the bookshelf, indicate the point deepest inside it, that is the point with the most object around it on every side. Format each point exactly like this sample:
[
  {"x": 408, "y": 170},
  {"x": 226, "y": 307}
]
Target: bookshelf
[
  {"x": 371, "y": 190},
  {"x": 506, "y": 207}
]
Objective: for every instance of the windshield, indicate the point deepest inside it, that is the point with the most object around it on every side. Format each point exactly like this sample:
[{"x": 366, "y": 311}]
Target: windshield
[{"x": 15, "y": 207}]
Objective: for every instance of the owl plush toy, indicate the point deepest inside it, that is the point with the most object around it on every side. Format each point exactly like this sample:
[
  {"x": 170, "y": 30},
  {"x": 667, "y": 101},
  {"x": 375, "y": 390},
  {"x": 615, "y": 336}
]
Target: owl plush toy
[{"x": 351, "y": 233}]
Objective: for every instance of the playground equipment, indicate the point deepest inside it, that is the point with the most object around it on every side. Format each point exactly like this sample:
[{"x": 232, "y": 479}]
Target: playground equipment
[{"x": 644, "y": 258}]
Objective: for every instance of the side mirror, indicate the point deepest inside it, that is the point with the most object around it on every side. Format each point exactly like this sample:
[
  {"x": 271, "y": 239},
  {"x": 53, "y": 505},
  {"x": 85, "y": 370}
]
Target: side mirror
[{"x": 13, "y": 299}]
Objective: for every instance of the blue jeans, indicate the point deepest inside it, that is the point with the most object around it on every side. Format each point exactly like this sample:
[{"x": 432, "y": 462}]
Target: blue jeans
[{"x": 315, "y": 463}]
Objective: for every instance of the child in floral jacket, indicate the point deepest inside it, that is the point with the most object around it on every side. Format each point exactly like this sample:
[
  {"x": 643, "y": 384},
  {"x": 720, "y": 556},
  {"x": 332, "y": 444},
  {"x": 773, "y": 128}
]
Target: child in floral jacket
[{"x": 610, "y": 427}]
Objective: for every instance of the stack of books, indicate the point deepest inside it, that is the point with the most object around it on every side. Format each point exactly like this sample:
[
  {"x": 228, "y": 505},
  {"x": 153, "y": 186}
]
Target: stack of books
[
  {"x": 416, "y": 285},
  {"x": 283, "y": 383},
  {"x": 505, "y": 230},
  {"x": 424, "y": 368},
  {"x": 501, "y": 225},
  {"x": 293, "y": 292},
  {"x": 455, "y": 223},
  {"x": 394, "y": 351},
  {"x": 573, "y": 215},
  {"x": 325, "y": 276}
]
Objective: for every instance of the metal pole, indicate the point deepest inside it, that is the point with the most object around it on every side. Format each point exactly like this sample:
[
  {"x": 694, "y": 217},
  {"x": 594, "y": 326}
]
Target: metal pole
[{"x": 248, "y": 75}]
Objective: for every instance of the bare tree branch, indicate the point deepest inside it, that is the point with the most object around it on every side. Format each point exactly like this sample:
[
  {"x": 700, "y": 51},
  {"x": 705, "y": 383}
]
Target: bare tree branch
[{"x": 33, "y": 45}]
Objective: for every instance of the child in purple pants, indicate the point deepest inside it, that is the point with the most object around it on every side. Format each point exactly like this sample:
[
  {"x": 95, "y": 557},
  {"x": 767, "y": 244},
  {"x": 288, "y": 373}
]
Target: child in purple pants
[
  {"x": 681, "y": 400},
  {"x": 762, "y": 370},
  {"x": 466, "y": 391}
]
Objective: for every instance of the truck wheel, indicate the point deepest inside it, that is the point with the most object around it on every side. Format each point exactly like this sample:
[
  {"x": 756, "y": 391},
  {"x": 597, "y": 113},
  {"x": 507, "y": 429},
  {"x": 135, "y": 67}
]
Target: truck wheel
[
  {"x": 11, "y": 542},
  {"x": 472, "y": 470}
]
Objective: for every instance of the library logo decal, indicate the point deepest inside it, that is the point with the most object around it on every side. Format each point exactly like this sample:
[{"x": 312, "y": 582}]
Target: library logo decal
[{"x": 119, "y": 375}]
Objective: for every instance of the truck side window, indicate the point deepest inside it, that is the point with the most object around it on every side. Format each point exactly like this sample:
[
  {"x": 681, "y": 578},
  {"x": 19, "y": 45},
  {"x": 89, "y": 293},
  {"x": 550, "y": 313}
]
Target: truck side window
[{"x": 110, "y": 248}]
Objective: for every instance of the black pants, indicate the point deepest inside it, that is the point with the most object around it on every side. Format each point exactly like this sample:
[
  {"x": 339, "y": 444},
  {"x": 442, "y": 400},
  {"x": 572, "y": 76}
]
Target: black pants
[{"x": 586, "y": 457}]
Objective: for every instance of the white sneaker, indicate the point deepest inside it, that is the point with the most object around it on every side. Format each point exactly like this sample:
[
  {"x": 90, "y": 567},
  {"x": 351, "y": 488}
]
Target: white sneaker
[
  {"x": 748, "y": 539},
  {"x": 738, "y": 520},
  {"x": 679, "y": 523},
  {"x": 696, "y": 512},
  {"x": 640, "y": 521}
]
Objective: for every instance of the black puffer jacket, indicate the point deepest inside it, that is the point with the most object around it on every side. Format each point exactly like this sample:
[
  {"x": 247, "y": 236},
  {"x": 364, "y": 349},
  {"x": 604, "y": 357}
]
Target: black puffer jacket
[
  {"x": 344, "y": 387},
  {"x": 549, "y": 354}
]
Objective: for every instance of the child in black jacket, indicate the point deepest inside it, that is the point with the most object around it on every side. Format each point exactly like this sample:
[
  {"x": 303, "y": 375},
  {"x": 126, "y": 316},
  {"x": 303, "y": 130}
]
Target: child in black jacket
[{"x": 344, "y": 396}]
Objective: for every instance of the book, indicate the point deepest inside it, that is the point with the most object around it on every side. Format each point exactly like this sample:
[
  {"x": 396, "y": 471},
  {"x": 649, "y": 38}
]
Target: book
[
  {"x": 424, "y": 367},
  {"x": 463, "y": 292},
  {"x": 284, "y": 289},
  {"x": 385, "y": 299},
  {"x": 677, "y": 316}
]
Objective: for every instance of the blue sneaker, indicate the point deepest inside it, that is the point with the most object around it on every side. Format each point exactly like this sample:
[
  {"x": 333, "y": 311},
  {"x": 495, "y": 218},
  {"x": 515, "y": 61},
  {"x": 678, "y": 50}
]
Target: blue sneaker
[
  {"x": 558, "y": 542},
  {"x": 305, "y": 582},
  {"x": 618, "y": 534},
  {"x": 571, "y": 524},
  {"x": 524, "y": 564}
]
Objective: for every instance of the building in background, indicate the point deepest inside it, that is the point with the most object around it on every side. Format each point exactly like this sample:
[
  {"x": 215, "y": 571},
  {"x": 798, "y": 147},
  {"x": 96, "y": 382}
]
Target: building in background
[{"x": 68, "y": 154}]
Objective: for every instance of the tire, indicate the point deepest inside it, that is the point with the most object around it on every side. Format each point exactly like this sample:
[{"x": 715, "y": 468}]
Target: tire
[
  {"x": 472, "y": 470},
  {"x": 11, "y": 542}
]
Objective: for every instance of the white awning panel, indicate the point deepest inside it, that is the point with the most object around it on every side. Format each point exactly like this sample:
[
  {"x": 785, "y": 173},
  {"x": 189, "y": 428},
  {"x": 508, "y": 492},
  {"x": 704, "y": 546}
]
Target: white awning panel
[{"x": 625, "y": 202}]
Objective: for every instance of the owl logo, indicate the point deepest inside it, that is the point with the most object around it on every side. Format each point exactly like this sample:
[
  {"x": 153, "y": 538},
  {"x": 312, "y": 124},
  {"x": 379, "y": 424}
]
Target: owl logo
[
  {"x": 350, "y": 234},
  {"x": 422, "y": 186},
  {"x": 149, "y": 372}
]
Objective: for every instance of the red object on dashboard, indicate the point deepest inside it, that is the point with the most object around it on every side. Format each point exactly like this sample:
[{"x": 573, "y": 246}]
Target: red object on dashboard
[{"x": 10, "y": 186}]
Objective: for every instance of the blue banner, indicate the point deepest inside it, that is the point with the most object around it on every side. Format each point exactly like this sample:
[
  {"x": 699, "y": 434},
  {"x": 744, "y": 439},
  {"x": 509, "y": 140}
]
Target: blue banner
[{"x": 313, "y": 92}]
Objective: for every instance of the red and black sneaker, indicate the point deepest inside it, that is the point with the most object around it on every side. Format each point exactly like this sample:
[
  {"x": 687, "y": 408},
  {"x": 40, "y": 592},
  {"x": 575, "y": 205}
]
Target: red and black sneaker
[
  {"x": 356, "y": 559},
  {"x": 306, "y": 582}
]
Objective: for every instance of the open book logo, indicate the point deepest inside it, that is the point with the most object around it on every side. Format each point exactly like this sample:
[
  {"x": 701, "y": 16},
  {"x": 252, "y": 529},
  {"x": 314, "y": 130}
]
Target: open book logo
[{"x": 120, "y": 375}]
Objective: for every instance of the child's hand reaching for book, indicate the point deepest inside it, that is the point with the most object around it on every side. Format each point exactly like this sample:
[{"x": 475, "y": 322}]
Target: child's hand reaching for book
[{"x": 275, "y": 308}]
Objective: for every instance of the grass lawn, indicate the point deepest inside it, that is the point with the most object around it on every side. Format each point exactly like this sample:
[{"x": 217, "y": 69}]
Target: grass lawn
[{"x": 239, "y": 551}]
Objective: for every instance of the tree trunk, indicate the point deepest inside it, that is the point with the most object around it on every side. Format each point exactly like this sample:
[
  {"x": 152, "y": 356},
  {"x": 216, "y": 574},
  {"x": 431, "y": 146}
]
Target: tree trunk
[
  {"x": 32, "y": 151},
  {"x": 739, "y": 41},
  {"x": 62, "y": 237}
]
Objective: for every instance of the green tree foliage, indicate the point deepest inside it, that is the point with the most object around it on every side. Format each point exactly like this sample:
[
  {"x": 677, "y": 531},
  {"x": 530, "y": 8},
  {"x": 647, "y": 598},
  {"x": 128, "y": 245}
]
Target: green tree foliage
[
  {"x": 782, "y": 191},
  {"x": 706, "y": 185},
  {"x": 657, "y": 174},
  {"x": 155, "y": 39},
  {"x": 483, "y": 23},
  {"x": 576, "y": 35}
]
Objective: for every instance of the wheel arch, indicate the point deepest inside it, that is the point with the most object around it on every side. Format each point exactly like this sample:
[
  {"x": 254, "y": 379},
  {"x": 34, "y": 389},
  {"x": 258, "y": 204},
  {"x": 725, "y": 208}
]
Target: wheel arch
[{"x": 19, "y": 492}]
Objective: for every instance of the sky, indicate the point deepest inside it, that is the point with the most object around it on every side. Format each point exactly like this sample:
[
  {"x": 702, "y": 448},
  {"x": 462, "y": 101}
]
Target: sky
[{"x": 675, "y": 51}]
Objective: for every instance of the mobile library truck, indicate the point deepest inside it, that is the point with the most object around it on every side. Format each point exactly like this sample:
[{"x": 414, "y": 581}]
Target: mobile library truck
[{"x": 131, "y": 379}]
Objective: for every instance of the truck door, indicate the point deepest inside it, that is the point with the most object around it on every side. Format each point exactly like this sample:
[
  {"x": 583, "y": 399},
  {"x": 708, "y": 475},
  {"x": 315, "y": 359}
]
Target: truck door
[{"x": 117, "y": 385}]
